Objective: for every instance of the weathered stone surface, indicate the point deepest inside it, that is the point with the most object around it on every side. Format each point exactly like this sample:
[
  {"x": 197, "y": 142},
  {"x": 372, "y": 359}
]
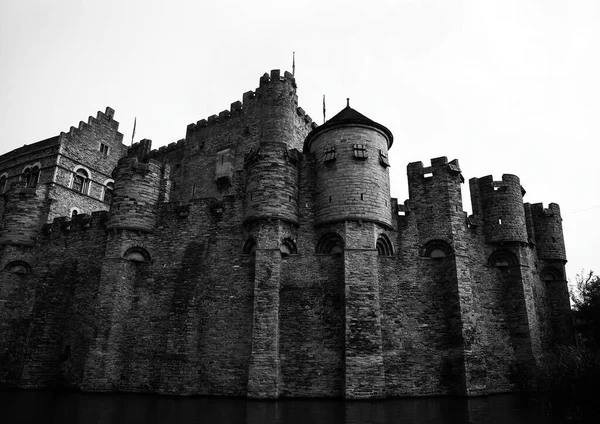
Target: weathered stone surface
[{"x": 281, "y": 273}]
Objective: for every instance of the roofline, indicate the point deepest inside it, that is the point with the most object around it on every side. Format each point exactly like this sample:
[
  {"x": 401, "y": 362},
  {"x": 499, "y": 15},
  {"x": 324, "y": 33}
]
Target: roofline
[{"x": 347, "y": 123}]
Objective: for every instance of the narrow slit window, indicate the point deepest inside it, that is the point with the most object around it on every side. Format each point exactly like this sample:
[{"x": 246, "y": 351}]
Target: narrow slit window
[
  {"x": 360, "y": 151},
  {"x": 103, "y": 149}
]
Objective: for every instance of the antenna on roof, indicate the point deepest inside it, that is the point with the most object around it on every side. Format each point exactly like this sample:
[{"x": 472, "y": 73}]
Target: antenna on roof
[
  {"x": 323, "y": 108},
  {"x": 293, "y": 63}
]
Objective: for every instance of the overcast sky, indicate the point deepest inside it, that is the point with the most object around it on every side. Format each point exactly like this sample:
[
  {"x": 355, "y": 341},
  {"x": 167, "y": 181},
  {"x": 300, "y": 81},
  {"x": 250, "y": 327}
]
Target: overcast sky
[{"x": 507, "y": 86}]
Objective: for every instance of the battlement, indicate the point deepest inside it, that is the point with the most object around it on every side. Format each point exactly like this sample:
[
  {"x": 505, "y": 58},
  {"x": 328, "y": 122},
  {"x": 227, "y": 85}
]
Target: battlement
[
  {"x": 545, "y": 228},
  {"x": 500, "y": 205},
  {"x": 249, "y": 99},
  {"x": 81, "y": 222},
  {"x": 538, "y": 209},
  {"x": 438, "y": 166}
]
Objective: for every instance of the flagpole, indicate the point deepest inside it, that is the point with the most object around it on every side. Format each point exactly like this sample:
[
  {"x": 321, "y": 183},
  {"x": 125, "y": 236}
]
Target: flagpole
[
  {"x": 133, "y": 134},
  {"x": 293, "y": 64},
  {"x": 323, "y": 108}
]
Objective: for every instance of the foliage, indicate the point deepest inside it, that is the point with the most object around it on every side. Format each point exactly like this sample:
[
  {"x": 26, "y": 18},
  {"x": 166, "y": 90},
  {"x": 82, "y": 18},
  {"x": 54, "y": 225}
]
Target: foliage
[
  {"x": 586, "y": 306},
  {"x": 569, "y": 380}
]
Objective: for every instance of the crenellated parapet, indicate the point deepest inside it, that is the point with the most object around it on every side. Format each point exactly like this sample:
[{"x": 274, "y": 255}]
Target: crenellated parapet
[
  {"x": 271, "y": 111},
  {"x": 546, "y": 226},
  {"x": 499, "y": 205},
  {"x": 137, "y": 193},
  {"x": 65, "y": 225},
  {"x": 435, "y": 197}
]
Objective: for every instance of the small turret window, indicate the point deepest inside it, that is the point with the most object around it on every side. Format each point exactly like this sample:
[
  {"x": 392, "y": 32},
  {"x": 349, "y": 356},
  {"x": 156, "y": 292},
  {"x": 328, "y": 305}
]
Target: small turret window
[
  {"x": 330, "y": 154},
  {"x": 360, "y": 151},
  {"x": 383, "y": 159}
]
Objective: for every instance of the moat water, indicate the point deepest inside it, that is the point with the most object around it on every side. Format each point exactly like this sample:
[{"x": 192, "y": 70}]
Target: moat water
[{"x": 67, "y": 407}]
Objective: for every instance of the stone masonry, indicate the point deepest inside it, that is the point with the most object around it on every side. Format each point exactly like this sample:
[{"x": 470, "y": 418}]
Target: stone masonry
[{"x": 262, "y": 256}]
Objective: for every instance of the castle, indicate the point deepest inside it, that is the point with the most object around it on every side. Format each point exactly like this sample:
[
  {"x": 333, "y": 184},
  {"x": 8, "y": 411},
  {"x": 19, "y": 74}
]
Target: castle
[{"x": 262, "y": 256}]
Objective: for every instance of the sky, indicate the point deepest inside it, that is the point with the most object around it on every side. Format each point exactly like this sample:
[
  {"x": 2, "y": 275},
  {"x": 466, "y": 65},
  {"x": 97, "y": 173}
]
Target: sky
[{"x": 505, "y": 86}]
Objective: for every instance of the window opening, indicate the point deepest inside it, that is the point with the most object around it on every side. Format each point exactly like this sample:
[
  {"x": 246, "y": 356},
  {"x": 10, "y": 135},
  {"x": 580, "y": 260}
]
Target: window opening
[
  {"x": 18, "y": 267},
  {"x": 3, "y": 181},
  {"x": 383, "y": 159},
  {"x": 330, "y": 154},
  {"x": 360, "y": 151},
  {"x": 80, "y": 181},
  {"x": 384, "y": 246},
  {"x": 108, "y": 192},
  {"x": 137, "y": 254},
  {"x": 103, "y": 149},
  {"x": 330, "y": 244}
]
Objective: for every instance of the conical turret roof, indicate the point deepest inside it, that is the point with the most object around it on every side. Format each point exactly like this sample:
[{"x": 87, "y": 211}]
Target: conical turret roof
[{"x": 347, "y": 116}]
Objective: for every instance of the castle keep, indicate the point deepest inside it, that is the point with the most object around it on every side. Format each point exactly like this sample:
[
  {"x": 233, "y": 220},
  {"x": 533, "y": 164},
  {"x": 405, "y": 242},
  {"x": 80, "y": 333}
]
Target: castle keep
[{"x": 262, "y": 256}]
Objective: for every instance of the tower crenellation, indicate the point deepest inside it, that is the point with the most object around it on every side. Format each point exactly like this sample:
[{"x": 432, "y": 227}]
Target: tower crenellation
[
  {"x": 547, "y": 231},
  {"x": 500, "y": 206}
]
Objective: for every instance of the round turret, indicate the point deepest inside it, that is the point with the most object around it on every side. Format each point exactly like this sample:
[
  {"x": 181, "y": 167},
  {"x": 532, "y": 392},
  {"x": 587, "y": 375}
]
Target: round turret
[
  {"x": 500, "y": 203},
  {"x": 24, "y": 214},
  {"x": 135, "y": 195},
  {"x": 272, "y": 188},
  {"x": 351, "y": 162},
  {"x": 547, "y": 225}
]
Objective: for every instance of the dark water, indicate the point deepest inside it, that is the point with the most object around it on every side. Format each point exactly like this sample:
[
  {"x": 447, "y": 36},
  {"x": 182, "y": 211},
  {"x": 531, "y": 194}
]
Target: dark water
[{"x": 67, "y": 408}]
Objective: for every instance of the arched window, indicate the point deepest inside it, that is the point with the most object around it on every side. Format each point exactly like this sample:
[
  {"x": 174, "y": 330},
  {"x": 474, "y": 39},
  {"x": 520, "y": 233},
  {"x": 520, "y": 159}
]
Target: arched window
[
  {"x": 288, "y": 247},
  {"x": 18, "y": 267},
  {"x": 436, "y": 249},
  {"x": 33, "y": 176},
  {"x": 249, "y": 247},
  {"x": 74, "y": 212},
  {"x": 108, "y": 192},
  {"x": 384, "y": 246},
  {"x": 330, "y": 244},
  {"x": 3, "y": 183},
  {"x": 26, "y": 175},
  {"x": 81, "y": 181},
  {"x": 137, "y": 254},
  {"x": 502, "y": 258},
  {"x": 551, "y": 274}
]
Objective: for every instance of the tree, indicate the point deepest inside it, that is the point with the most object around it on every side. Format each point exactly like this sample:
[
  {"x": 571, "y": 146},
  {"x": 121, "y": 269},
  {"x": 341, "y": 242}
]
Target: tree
[{"x": 586, "y": 305}]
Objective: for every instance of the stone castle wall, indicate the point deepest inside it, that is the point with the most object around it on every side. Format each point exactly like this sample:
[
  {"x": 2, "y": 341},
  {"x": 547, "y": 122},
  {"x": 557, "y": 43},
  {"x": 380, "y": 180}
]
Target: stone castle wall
[{"x": 222, "y": 268}]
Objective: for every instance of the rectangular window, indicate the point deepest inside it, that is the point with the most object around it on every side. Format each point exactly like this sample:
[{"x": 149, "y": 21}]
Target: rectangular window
[
  {"x": 383, "y": 159},
  {"x": 360, "y": 151},
  {"x": 103, "y": 149},
  {"x": 330, "y": 154}
]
